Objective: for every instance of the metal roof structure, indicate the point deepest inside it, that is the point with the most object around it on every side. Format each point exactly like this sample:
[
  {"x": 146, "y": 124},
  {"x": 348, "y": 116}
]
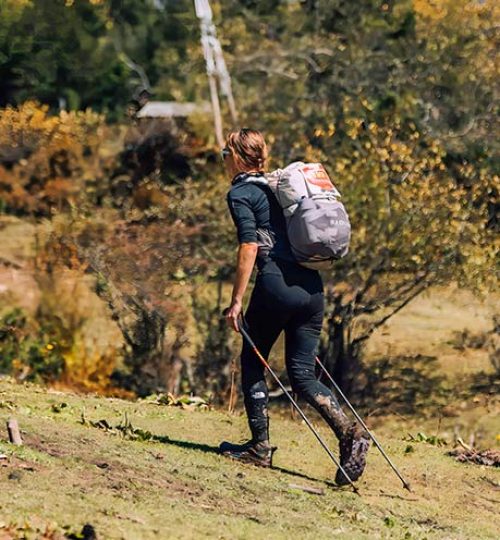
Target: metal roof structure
[{"x": 171, "y": 109}]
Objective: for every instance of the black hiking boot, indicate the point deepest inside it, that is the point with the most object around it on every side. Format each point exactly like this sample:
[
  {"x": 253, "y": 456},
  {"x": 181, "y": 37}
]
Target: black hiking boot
[
  {"x": 353, "y": 447},
  {"x": 257, "y": 453}
]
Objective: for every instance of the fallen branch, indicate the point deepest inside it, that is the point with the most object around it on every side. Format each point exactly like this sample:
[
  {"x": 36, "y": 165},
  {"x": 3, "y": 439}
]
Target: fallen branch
[
  {"x": 490, "y": 458},
  {"x": 463, "y": 445},
  {"x": 308, "y": 489}
]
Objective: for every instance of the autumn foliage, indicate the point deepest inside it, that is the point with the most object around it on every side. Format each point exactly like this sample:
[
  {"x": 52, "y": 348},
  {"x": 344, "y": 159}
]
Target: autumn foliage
[{"x": 396, "y": 99}]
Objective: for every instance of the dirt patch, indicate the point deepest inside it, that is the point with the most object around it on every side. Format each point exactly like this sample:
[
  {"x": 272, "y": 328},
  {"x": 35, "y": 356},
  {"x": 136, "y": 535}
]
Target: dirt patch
[
  {"x": 53, "y": 450},
  {"x": 13, "y": 463}
]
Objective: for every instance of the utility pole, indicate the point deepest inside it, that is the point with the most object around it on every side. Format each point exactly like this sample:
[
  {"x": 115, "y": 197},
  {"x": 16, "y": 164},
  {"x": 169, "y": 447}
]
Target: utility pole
[{"x": 216, "y": 68}]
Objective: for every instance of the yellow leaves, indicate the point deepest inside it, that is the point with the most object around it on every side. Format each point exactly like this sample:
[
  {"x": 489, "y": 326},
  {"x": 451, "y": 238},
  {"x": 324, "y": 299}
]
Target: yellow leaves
[
  {"x": 442, "y": 24},
  {"x": 397, "y": 184},
  {"x": 17, "y": 364},
  {"x": 15, "y": 3},
  {"x": 87, "y": 369},
  {"x": 13, "y": 9},
  {"x": 366, "y": 104},
  {"x": 361, "y": 233},
  {"x": 354, "y": 127},
  {"x": 340, "y": 166},
  {"x": 46, "y": 153},
  {"x": 329, "y": 131},
  {"x": 431, "y": 9},
  {"x": 384, "y": 154}
]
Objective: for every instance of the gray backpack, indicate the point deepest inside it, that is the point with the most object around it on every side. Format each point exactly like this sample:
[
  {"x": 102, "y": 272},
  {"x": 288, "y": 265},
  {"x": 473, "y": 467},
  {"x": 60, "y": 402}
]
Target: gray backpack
[{"x": 317, "y": 223}]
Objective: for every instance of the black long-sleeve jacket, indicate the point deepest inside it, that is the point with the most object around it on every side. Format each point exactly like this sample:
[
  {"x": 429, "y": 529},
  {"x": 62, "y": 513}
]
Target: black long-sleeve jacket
[{"x": 258, "y": 217}]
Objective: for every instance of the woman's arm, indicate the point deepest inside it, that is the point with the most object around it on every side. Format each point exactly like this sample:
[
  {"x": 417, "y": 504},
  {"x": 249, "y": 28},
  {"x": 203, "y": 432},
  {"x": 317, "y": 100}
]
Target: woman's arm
[{"x": 247, "y": 253}]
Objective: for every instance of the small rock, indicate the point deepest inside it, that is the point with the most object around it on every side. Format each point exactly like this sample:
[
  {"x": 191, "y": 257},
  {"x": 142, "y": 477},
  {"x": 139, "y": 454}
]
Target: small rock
[
  {"x": 88, "y": 532},
  {"x": 15, "y": 475}
]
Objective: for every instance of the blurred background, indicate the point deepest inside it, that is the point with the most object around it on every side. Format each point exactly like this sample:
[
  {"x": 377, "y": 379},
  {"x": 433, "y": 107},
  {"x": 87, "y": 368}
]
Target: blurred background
[{"x": 116, "y": 246}]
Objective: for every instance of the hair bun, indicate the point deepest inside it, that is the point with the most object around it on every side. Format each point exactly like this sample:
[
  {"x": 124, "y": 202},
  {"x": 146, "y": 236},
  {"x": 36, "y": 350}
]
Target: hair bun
[{"x": 249, "y": 148}]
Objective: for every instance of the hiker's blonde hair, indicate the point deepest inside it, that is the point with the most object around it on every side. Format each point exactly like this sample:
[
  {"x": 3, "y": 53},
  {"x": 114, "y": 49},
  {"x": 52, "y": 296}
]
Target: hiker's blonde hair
[{"x": 248, "y": 148}]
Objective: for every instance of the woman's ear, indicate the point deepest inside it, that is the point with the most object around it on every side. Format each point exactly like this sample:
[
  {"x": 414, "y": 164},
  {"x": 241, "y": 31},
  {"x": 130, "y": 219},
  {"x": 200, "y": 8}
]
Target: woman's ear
[{"x": 230, "y": 165}]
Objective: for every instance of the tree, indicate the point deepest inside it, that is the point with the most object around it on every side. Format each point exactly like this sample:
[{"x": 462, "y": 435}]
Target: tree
[
  {"x": 48, "y": 163},
  {"x": 375, "y": 91},
  {"x": 397, "y": 99},
  {"x": 97, "y": 53}
]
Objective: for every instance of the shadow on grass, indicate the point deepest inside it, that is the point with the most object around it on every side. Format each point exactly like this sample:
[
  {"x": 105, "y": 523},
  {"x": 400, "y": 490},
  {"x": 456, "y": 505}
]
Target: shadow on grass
[
  {"x": 201, "y": 447},
  {"x": 485, "y": 383},
  {"x": 403, "y": 385},
  {"x": 297, "y": 474},
  {"x": 206, "y": 448}
]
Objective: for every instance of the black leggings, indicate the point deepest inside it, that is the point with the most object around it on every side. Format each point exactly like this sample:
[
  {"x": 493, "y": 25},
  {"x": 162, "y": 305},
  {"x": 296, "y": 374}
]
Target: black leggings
[{"x": 286, "y": 297}]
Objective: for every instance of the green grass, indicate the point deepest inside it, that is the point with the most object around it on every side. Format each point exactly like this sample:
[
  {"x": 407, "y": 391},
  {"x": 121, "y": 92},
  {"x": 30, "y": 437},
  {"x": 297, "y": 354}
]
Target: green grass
[{"x": 177, "y": 486}]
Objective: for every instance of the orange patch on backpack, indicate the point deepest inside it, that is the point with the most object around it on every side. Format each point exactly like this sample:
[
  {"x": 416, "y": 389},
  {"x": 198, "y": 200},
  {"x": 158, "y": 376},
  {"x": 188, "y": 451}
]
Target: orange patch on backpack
[{"x": 317, "y": 175}]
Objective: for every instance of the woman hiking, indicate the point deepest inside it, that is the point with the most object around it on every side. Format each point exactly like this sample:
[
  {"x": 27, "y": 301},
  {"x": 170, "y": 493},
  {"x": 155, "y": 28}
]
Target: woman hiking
[{"x": 286, "y": 297}]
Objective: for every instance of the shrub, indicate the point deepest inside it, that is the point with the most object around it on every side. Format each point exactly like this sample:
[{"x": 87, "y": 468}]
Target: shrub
[
  {"x": 47, "y": 163},
  {"x": 28, "y": 350}
]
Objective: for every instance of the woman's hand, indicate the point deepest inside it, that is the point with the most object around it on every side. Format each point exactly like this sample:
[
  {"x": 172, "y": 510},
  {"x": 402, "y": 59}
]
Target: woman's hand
[{"x": 233, "y": 313}]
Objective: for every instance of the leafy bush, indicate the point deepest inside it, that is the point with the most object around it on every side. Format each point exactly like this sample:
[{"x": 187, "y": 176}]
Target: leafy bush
[
  {"x": 29, "y": 351},
  {"x": 47, "y": 163}
]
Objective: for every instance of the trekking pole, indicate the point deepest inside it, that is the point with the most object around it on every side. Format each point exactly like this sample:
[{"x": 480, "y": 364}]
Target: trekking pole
[
  {"x": 406, "y": 484},
  {"x": 293, "y": 402}
]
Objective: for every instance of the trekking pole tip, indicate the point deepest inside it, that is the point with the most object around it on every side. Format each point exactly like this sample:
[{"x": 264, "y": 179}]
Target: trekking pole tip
[{"x": 407, "y": 486}]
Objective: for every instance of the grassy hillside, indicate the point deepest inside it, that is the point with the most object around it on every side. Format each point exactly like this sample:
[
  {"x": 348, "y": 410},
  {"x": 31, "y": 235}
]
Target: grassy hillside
[{"x": 175, "y": 485}]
